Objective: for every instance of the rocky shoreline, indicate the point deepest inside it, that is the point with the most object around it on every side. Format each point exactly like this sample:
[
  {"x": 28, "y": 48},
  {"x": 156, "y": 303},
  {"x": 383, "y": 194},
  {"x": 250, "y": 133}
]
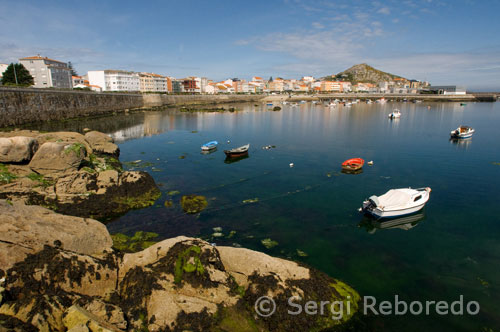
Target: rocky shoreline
[
  {"x": 74, "y": 174},
  {"x": 59, "y": 270},
  {"x": 60, "y": 273}
]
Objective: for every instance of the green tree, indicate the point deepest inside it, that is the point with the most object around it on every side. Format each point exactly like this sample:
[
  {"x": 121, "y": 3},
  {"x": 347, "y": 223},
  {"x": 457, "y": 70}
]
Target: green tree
[
  {"x": 17, "y": 74},
  {"x": 73, "y": 71},
  {"x": 270, "y": 79}
]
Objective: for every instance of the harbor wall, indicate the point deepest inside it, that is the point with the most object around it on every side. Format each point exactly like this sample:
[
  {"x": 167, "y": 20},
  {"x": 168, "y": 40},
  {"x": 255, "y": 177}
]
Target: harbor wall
[{"x": 21, "y": 106}]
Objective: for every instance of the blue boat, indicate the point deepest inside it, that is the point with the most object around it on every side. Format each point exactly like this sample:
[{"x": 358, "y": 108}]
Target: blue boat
[{"x": 209, "y": 146}]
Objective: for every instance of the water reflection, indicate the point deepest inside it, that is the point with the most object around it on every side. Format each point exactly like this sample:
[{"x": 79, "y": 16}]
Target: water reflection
[
  {"x": 461, "y": 143},
  {"x": 230, "y": 160},
  {"x": 405, "y": 223}
]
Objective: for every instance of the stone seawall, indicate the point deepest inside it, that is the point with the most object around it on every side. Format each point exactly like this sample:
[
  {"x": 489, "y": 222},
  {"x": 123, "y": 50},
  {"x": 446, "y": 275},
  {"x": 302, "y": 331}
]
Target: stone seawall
[
  {"x": 20, "y": 106},
  {"x": 24, "y": 105},
  {"x": 151, "y": 100}
]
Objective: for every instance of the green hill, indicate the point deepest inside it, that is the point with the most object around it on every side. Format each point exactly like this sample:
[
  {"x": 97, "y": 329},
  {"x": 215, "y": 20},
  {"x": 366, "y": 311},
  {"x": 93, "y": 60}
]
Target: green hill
[{"x": 363, "y": 73}]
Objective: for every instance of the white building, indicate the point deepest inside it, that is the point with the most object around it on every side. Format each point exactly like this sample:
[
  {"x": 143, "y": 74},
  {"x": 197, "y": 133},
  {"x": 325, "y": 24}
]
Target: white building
[
  {"x": 115, "y": 80},
  {"x": 3, "y": 67},
  {"x": 48, "y": 73}
]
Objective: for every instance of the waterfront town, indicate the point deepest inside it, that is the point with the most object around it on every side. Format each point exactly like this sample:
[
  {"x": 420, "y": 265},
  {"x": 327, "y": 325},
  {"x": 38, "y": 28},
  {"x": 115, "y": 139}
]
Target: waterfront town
[{"x": 51, "y": 73}]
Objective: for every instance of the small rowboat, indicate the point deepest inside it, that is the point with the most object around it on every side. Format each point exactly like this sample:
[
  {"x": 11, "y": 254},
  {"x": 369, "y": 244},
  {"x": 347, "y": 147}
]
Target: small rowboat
[
  {"x": 462, "y": 132},
  {"x": 237, "y": 152},
  {"x": 353, "y": 164},
  {"x": 209, "y": 146}
]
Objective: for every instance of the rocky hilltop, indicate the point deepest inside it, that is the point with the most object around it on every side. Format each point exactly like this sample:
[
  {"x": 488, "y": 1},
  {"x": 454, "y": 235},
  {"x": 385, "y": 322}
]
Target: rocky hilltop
[
  {"x": 365, "y": 73},
  {"x": 71, "y": 173},
  {"x": 60, "y": 273}
]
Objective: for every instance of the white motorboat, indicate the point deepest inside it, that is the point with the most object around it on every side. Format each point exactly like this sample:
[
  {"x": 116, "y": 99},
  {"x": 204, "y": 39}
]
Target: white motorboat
[
  {"x": 462, "y": 132},
  {"x": 396, "y": 114},
  {"x": 396, "y": 202}
]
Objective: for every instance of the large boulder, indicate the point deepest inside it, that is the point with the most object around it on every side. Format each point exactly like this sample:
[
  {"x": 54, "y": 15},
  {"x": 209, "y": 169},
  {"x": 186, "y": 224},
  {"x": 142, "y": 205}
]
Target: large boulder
[
  {"x": 27, "y": 229},
  {"x": 187, "y": 284},
  {"x": 57, "y": 158},
  {"x": 17, "y": 149},
  {"x": 102, "y": 143}
]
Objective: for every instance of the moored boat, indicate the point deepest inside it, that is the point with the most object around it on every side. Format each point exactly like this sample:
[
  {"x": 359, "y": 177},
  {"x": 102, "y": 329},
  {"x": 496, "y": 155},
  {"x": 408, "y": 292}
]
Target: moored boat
[
  {"x": 396, "y": 202},
  {"x": 353, "y": 164},
  {"x": 462, "y": 132},
  {"x": 396, "y": 114},
  {"x": 237, "y": 152},
  {"x": 209, "y": 146}
]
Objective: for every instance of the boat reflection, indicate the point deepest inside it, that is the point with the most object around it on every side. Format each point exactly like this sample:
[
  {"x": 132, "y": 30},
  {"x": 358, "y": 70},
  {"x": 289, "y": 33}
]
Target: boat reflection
[
  {"x": 208, "y": 151},
  {"x": 462, "y": 143},
  {"x": 405, "y": 223},
  {"x": 358, "y": 171},
  {"x": 230, "y": 160}
]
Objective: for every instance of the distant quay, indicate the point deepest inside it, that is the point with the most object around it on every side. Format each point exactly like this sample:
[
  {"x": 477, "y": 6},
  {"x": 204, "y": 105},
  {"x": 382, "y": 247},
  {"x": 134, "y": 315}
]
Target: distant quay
[
  {"x": 19, "y": 106},
  {"x": 470, "y": 97}
]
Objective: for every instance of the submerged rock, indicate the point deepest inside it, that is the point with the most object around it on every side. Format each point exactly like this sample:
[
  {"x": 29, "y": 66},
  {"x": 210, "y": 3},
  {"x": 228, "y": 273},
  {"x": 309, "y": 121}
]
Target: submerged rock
[
  {"x": 193, "y": 203},
  {"x": 268, "y": 243}
]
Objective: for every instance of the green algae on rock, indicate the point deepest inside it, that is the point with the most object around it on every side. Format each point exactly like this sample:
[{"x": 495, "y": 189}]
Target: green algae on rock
[
  {"x": 140, "y": 241},
  {"x": 193, "y": 203}
]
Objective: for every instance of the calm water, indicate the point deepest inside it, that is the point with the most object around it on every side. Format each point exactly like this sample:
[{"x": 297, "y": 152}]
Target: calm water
[{"x": 451, "y": 249}]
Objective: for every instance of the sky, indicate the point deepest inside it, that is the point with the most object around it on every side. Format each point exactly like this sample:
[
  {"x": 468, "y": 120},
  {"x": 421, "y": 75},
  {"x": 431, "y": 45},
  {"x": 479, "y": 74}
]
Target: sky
[{"x": 444, "y": 42}]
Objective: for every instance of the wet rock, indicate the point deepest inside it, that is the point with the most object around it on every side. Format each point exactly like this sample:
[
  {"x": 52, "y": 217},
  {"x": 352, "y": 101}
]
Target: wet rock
[
  {"x": 54, "y": 158},
  {"x": 17, "y": 149},
  {"x": 27, "y": 229},
  {"x": 102, "y": 143}
]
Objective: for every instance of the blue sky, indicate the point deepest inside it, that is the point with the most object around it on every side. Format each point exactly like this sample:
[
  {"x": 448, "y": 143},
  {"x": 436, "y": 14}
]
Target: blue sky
[{"x": 444, "y": 42}]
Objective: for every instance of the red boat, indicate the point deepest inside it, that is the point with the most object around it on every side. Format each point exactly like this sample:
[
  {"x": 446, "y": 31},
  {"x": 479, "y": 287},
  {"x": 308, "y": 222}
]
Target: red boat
[{"x": 353, "y": 164}]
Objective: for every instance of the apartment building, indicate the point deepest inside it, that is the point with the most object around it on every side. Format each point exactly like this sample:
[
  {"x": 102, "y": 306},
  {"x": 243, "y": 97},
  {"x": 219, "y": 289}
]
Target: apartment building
[
  {"x": 115, "y": 80},
  {"x": 149, "y": 82},
  {"x": 48, "y": 73}
]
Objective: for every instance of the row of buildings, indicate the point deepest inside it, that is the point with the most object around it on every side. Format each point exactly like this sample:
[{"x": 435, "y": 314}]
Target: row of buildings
[{"x": 48, "y": 72}]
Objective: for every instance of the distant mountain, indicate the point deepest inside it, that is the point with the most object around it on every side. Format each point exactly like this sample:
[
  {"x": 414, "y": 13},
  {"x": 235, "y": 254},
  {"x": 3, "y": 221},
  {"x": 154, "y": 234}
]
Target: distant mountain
[{"x": 363, "y": 73}]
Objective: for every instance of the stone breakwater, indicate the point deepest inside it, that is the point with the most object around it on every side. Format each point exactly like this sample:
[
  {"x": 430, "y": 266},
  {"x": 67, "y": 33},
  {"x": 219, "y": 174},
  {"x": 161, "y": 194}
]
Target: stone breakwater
[
  {"x": 75, "y": 174},
  {"x": 60, "y": 273}
]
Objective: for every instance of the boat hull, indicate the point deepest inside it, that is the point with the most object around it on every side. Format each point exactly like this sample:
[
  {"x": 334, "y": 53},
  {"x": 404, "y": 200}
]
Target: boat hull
[
  {"x": 235, "y": 154},
  {"x": 379, "y": 214}
]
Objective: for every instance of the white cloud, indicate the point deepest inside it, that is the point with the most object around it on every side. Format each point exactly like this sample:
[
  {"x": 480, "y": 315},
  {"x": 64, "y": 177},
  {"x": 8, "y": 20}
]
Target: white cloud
[
  {"x": 317, "y": 25},
  {"x": 384, "y": 10}
]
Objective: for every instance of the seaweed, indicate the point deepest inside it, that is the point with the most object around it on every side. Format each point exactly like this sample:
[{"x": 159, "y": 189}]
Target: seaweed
[{"x": 193, "y": 203}]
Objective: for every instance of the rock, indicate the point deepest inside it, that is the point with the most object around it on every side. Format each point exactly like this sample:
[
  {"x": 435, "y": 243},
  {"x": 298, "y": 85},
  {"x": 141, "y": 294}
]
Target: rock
[
  {"x": 17, "y": 149},
  {"x": 102, "y": 143},
  {"x": 180, "y": 284},
  {"x": 27, "y": 229},
  {"x": 64, "y": 137},
  {"x": 107, "y": 312},
  {"x": 105, "y": 194},
  {"x": 77, "y": 316},
  {"x": 56, "y": 158},
  {"x": 79, "y": 328},
  {"x": 193, "y": 203}
]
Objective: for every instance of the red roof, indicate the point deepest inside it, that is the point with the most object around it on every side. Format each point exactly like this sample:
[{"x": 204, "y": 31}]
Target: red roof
[{"x": 38, "y": 57}]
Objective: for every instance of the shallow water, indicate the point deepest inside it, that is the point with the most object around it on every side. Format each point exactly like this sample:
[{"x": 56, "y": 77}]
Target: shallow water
[{"x": 451, "y": 249}]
